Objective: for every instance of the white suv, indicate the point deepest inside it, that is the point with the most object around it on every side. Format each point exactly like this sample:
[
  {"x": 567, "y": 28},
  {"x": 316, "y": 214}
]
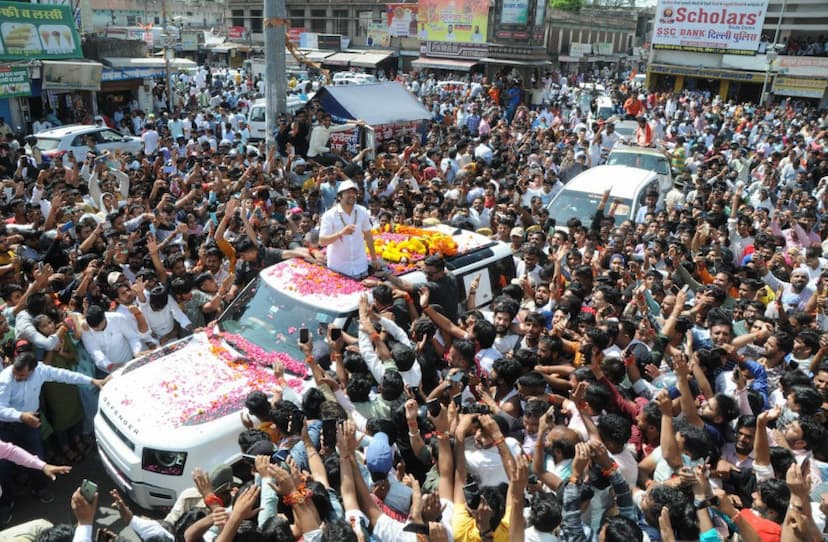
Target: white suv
[
  {"x": 178, "y": 407},
  {"x": 72, "y": 138}
]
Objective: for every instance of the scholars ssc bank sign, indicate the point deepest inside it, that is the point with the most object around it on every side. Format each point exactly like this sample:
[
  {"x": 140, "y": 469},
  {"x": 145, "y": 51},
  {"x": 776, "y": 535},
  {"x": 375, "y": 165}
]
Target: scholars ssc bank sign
[{"x": 710, "y": 26}]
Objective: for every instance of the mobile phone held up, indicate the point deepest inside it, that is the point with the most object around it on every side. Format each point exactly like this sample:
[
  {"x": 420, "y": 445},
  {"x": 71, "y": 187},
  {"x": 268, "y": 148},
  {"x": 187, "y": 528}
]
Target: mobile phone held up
[
  {"x": 88, "y": 490},
  {"x": 472, "y": 494},
  {"x": 329, "y": 433},
  {"x": 304, "y": 335}
]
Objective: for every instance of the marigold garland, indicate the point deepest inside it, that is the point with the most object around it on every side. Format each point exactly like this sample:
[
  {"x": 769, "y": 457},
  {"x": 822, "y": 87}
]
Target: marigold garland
[{"x": 403, "y": 246}]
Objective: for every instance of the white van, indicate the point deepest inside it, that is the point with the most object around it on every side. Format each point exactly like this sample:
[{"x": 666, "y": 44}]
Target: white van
[
  {"x": 256, "y": 116},
  {"x": 178, "y": 407},
  {"x": 579, "y": 198},
  {"x": 353, "y": 78}
]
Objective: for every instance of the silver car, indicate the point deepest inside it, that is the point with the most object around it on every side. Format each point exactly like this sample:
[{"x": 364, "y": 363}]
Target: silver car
[{"x": 72, "y": 138}]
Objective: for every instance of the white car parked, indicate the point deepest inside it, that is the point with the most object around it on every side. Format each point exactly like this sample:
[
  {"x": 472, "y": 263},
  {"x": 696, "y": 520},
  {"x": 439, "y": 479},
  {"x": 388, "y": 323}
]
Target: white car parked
[{"x": 72, "y": 138}]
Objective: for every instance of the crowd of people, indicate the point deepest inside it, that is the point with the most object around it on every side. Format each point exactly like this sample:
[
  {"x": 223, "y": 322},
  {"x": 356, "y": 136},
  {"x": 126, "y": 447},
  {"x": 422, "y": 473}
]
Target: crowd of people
[{"x": 658, "y": 378}]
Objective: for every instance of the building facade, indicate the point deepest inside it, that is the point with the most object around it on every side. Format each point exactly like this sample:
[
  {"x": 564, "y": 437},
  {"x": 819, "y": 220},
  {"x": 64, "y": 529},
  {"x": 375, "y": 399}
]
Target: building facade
[{"x": 790, "y": 61}]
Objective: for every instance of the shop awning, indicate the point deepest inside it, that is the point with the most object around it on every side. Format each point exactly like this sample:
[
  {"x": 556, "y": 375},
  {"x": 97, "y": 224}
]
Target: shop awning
[
  {"x": 340, "y": 59},
  {"x": 61, "y": 75},
  {"x": 226, "y": 47},
  {"x": 379, "y": 104},
  {"x": 316, "y": 56},
  {"x": 567, "y": 58},
  {"x": 369, "y": 60},
  {"x": 127, "y": 63},
  {"x": 511, "y": 62},
  {"x": 443, "y": 64}
]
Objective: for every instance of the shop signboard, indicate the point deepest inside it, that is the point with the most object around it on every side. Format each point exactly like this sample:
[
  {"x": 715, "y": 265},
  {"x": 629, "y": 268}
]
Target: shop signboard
[
  {"x": 710, "y": 26},
  {"x": 189, "y": 41},
  {"x": 580, "y": 49},
  {"x": 402, "y": 20},
  {"x": 378, "y": 35},
  {"x": 444, "y": 49},
  {"x": 71, "y": 75},
  {"x": 329, "y": 42},
  {"x": 540, "y": 12},
  {"x": 602, "y": 48},
  {"x": 514, "y": 12},
  {"x": 804, "y": 66},
  {"x": 235, "y": 32},
  {"x": 451, "y": 21},
  {"x": 15, "y": 81},
  {"x": 295, "y": 34},
  {"x": 799, "y": 87},
  {"x": 30, "y": 31}
]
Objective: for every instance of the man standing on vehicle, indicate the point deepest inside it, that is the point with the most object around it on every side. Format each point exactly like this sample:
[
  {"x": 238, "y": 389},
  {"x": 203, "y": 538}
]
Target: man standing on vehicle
[{"x": 345, "y": 229}]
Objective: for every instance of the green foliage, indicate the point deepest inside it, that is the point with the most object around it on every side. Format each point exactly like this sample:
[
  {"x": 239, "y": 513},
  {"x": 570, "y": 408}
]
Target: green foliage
[{"x": 568, "y": 5}]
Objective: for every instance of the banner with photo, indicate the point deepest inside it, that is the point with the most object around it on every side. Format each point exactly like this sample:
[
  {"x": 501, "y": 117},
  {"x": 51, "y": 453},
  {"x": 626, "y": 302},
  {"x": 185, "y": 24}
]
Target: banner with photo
[
  {"x": 514, "y": 12},
  {"x": 448, "y": 20},
  {"x": 378, "y": 35},
  {"x": 710, "y": 26},
  {"x": 15, "y": 81},
  {"x": 402, "y": 20},
  {"x": 37, "y": 31}
]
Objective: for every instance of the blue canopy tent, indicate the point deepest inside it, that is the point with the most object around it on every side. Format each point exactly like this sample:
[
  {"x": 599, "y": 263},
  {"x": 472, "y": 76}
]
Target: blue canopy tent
[{"x": 379, "y": 105}]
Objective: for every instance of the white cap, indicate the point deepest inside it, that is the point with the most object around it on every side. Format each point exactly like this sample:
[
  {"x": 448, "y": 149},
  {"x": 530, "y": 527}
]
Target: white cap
[{"x": 346, "y": 185}]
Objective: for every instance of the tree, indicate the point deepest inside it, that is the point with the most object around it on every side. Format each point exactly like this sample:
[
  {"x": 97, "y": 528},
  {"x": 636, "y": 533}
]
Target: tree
[{"x": 567, "y": 5}]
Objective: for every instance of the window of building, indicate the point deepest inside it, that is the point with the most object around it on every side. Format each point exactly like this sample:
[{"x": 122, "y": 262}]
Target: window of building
[
  {"x": 238, "y": 17},
  {"x": 319, "y": 13},
  {"x": 297, "y": 18},
  {"x": 255, "y": 20},
  {"x": 318, "y": 25},
  {"x": 130, "y": 20},
  {"x": 340, "y": 17}
]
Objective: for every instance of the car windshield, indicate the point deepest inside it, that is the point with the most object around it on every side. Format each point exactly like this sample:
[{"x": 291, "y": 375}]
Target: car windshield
[
  {"x": 271, "y": 320},
  {"x": 650, "y": 162},
  {"x": 47, "y": 143},
  {"x": 582, "y": 205}
]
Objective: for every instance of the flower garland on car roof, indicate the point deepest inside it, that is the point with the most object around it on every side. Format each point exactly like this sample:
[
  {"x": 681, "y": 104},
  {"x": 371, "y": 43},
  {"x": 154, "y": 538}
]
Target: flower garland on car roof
[{"x": 403, "y": 246}]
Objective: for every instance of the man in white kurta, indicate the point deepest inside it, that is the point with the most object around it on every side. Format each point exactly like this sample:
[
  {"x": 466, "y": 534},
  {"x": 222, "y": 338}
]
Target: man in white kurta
[{"x": 345, "y": 231}]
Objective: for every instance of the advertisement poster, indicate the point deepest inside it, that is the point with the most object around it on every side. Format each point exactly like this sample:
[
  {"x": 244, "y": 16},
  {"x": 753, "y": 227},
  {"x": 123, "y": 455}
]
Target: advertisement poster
[
  {"x": 464, "y": 21},
  {"x": 514, "y": 12},
  {"x": 540, "y": 12},
  {"x": 346, "y": 140},
  {"x": 14, "y": 81},
  {"x": 378, "y": 35},
  {"x": 37, "y": 31},
  {"x": 710, "y": 26},
  {"x": 402, "y": 20}
]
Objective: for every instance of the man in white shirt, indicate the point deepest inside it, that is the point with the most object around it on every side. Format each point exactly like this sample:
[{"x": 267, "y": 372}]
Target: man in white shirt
[
  {"x": 150, "y": 139},
  {"x": 162, "y": 315},
  {"x": 110, "y": 339},
  {"x": 20, "y": 385},
  {"x": 318, "y": 145},
  {"x": 346, "y": 230}
]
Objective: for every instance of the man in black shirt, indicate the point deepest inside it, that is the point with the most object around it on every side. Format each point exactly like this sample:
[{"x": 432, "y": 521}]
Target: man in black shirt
[
  {"x": 442, "y": 285},
  {"x": 250, "y": 259}
]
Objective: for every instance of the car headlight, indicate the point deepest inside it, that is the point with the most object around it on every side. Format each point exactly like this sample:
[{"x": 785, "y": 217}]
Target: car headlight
[{"x": 163, "y": 462}]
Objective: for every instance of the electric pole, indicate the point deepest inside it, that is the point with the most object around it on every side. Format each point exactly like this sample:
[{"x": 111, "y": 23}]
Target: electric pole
[{"x": 275, "y": 21}]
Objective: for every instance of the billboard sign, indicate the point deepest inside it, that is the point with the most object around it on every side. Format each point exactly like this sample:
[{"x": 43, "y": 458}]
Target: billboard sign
[
  {"x": 30, "y": 31},
  {"x": 514, "y": 12},
  {"x": 378, "y": 35},
  {"x": 710, "y": 26},
  {"x": 448, "y": 20},
  {"x": 14, "y": 81},
  {"x": 402, "y": 20}
]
